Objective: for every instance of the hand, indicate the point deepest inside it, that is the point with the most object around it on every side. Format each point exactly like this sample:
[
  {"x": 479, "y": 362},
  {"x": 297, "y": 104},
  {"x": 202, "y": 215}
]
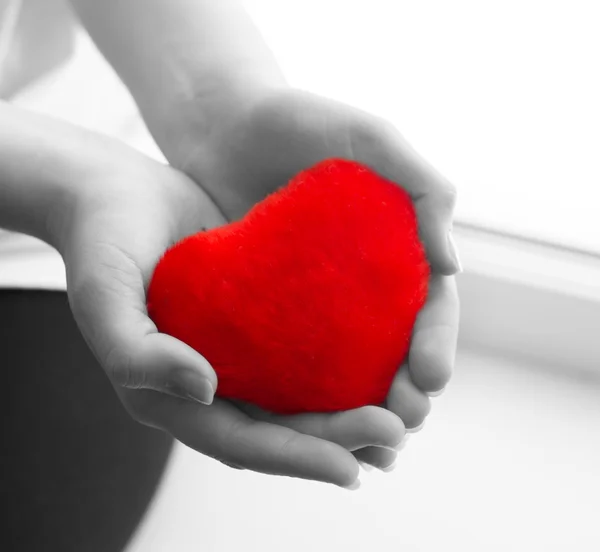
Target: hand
[
  {"x": 124, "y": 216},
  {"x": 271, "y": 137}
]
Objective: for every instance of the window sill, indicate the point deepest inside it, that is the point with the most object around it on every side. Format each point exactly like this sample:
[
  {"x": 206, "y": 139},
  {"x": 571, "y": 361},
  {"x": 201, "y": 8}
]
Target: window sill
[
  {"x": 530, "y": 299},
  {"x": 518, "y": 297}
]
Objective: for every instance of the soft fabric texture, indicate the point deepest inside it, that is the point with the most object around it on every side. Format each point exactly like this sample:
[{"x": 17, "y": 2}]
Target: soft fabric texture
[{"x": 307, "y": 304}]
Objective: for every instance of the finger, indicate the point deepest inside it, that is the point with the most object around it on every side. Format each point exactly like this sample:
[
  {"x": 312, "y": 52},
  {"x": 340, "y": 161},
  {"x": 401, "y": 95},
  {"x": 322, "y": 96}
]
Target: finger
[
  {"x": 380, "y": 458},
  {"x": 386, "y": 151},
  {"x": 351, "y": 429},
  {"x": 108, "y": 301},
  {"x": 435, "y": 334},
  {"x": 233, "y": 466},
  {"x": 162, "y": 363},
  {"x": 407, "y": 401},
  {"x": 224, "y": 432}
]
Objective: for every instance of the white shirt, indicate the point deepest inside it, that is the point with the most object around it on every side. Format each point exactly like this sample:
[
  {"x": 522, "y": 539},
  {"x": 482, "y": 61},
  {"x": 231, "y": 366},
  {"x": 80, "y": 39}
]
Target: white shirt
[{"x": 67, "y": 90}]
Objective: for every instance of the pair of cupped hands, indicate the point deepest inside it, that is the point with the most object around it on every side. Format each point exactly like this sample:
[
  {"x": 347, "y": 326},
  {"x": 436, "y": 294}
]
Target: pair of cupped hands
[{"x": 130, "y": 209}]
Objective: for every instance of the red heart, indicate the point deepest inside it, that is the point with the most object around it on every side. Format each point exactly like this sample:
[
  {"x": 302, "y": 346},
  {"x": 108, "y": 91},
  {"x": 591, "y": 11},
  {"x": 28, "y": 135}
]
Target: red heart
[{"x": 307, "y": 304}]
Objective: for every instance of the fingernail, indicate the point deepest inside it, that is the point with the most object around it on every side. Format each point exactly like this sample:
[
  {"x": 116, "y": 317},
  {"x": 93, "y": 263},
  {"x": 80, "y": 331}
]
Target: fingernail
[
  {"x": 397, "y": 447},
  {"x": 436, "y": 393},
  {"x": 390, "y": 468},
  {"x": 365, "y": 466},
  {"x": 454, "y": 252},
  {"x": 353, "y": 486},
  {"x": 402, "y": 443},
  {"x": 201, "y": 390},
  {"x": 415, "y": 429}
]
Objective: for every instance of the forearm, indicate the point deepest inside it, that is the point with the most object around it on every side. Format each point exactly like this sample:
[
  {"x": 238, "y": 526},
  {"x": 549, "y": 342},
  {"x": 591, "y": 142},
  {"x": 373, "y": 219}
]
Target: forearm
[
  {"x": 40, "y": 160},
  {"x": 206, "y": 53}
]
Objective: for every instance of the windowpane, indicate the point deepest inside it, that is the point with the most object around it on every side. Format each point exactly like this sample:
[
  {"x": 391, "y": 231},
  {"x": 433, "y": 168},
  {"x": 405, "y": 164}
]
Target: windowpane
[{"x": 503, "y": 97}]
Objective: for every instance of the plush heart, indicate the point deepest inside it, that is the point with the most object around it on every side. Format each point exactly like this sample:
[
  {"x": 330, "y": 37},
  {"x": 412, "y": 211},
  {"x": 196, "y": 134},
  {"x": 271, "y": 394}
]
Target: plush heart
[{"x": 307, "y": 304}]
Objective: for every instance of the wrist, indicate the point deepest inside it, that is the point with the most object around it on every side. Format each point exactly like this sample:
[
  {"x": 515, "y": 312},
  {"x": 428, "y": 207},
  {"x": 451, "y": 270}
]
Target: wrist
[
  {"x": 199, "y": 100},
  {"x": 35, "y": 174},
  {"x": 44, "y": 167},
  {"x": 189, "y": 65}
]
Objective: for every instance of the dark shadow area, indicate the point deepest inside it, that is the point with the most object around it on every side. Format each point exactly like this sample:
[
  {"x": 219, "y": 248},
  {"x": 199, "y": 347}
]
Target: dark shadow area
[{"x": 76, "y": 472}]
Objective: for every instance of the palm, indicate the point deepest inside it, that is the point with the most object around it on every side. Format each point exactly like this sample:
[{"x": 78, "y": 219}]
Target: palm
[
  {"x": 261, "y": 149},
  {"x": 128, "y": 223},
  {"x": 255, "y": 154}
]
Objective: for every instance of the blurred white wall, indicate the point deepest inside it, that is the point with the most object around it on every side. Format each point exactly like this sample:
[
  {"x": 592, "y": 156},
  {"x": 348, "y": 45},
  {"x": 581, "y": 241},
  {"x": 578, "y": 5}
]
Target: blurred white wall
[{"x": 508, "y": 461}]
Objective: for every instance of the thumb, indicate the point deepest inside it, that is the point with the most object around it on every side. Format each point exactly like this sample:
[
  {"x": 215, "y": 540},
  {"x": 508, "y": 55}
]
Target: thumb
[
  {"x": 388, "y": 153},
  {"x": 108, "y": 303},
  {"x": 162, "y": 363}
]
